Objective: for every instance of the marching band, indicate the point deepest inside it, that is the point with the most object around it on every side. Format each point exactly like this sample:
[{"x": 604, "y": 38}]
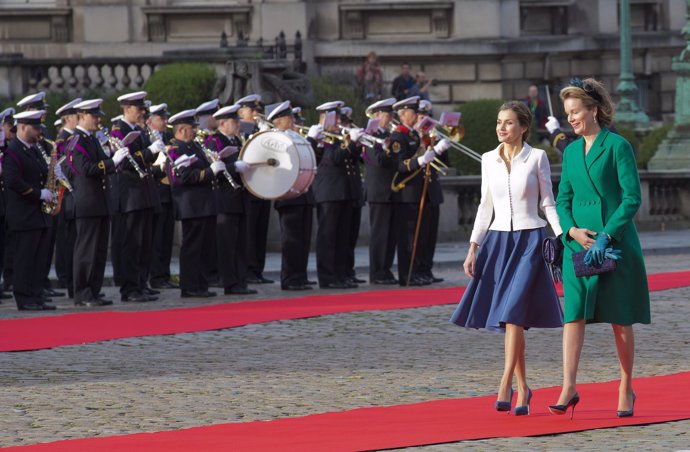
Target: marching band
[{"x": 216, "y": 169}]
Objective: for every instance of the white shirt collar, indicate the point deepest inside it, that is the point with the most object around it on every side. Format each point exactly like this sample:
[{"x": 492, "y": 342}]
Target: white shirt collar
[{"x": 88, "y": 134}]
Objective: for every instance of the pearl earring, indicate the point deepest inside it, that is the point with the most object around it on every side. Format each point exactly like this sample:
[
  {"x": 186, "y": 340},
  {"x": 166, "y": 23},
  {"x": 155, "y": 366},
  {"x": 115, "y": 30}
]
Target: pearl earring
[{"x": 595, "y": 120}]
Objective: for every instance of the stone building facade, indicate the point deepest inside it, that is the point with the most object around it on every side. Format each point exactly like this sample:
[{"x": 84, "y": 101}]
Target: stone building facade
[{"x": 472, "y": 48}]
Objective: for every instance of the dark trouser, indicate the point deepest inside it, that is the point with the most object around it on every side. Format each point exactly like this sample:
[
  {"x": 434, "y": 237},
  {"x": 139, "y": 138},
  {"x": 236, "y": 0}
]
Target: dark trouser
[
  {"x": 197, "y": 243},
  {"x": 295, "y": 242},
  {"x": 8, "y": 258},
  {"x": 429, "y": 237},
  {"x": 232, "y": 265},
  {"x": 51, "y": 248},
  {"x": 116, "y": 237},
  {"x": 163, "y": 233},
  {"x": 257, "y": 212},
  {"x": 406, "y": 219},
  {"x": 61, "y": 267},
  {"x": 355, "y": 220},
  {"x": 332, "y": 242},
  {"x": 382, "y": 240},
  {"x": 2, "y": 247},
  {"x": 136, "y": 250},
  {"x": 31, "y": 254},
  {"x": 211, "y": 261},
  {"x": 90, "y": 256}
]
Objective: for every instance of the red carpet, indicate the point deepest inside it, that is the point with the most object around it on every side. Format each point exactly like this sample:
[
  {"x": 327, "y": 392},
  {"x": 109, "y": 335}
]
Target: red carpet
[
  {"x": 34, "y": 333},
  {"x": 660, "y": 399}
]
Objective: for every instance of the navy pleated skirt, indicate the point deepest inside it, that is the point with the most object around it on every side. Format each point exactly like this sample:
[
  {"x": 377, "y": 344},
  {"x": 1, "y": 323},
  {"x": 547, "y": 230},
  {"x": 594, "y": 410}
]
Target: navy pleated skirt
[{"x": 511, "y": 284}]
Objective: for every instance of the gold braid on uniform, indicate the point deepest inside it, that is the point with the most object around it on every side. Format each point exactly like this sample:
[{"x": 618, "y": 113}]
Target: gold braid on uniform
[
  {"x": 396, "y": 187},
  {"x": 556, "y": 139}
]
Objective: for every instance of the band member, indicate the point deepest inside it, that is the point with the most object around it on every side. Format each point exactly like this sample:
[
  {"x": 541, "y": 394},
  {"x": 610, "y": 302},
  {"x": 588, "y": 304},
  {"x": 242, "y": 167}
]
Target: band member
[
  {"x": 412, "y": 158},
  {"x": 381, "y": 167},
  {"x": 93, "y": 204},
  {"x": 25, "y": 173},
  {"x": 353, "y": 162},
  {"x": 230, "y": 222},
  {"x": 35, "y": 102},
  {"x": 194, "y": 203},
  {"x": 297, "y": 116},
  {"x": 207, "y": 125},
  {"x": 164, "y": 217},
  {"x": 66, "y": 228},
  {"x": 335, "y": 190},
  {"x": 430, "y": 219},
  {"x": 6, "y": 134},
  {"x": 296, "y": 219},
  {"x": 257, "y": 210},
  {"x": 138, "y": 197}
]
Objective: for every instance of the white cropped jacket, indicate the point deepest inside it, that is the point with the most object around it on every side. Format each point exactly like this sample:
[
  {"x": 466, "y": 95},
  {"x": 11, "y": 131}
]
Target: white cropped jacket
[{"x": 514, "y": 197}]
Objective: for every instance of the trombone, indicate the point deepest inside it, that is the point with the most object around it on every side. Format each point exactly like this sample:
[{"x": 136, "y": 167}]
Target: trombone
[{"x": 452, "y": 134}]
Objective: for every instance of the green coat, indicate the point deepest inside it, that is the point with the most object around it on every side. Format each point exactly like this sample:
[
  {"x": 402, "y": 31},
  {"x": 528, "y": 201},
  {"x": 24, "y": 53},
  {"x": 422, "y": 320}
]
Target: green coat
[{"x": 601, "y": 192}]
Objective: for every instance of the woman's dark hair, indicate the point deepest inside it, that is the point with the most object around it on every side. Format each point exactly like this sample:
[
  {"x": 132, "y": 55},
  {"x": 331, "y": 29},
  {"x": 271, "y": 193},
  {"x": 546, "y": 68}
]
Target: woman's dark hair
[
  {"x": 592, "y": 94},
  {"x": 523, "y": 114}
]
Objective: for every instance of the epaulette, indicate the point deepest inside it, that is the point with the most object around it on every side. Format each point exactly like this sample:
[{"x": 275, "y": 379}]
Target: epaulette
[{"x": 402, "y": 129}]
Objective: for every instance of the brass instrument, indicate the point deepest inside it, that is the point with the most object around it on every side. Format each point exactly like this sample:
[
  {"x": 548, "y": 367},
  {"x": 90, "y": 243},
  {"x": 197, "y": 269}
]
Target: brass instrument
[
  {"x": 53, "y": 185},
  {"x": 116, "y": 144},
  {"x": 62, "y": 180},
  {"x": 213, "y": 156},
  {"x": 155, "y": 135},
  {"x": 330, "y": 137}
]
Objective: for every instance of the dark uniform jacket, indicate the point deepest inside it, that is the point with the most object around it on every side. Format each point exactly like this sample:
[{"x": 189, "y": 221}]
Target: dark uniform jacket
[
  {"x": 161, "y": 177},
  {"x": 192, "y": 187},
  {"x": 134, "y": 192},
  {"x": 338, "y": 177},
  {"x": 67, "y": 200},
  {"x": 228, "y": 200},
  {"x": 25, "y": 172},
  {"x": 3, "y": 196},
  {"x": 381, "y": 167},
  {"x": 92, "y": 184},
  {"x": 406, "y": 146}
]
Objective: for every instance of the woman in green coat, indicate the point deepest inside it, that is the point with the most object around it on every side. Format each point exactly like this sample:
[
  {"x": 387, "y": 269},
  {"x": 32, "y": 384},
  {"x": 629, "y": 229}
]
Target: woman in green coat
[{"x": 598, "y": 197}]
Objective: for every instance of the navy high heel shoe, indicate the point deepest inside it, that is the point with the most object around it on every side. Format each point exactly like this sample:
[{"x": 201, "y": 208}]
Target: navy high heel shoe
[
  {"x": 562, "y": 409},
  {"x": 505, "y": 406},
  {"x": 523, "y": 410},
  {"x": 630, "y": 412}
]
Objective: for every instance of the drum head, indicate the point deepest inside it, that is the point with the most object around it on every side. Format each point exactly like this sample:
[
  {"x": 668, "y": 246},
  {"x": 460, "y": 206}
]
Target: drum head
[{"x": 272, "y": 182}]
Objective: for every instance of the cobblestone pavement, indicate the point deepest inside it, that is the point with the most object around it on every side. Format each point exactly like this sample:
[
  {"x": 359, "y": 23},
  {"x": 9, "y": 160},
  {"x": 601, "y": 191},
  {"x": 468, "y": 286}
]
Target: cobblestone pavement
[{"x": 330, "y": 363}]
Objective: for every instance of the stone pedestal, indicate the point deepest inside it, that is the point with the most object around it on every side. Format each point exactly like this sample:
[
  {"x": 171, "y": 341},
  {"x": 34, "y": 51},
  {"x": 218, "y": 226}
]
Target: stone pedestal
[{"x": 674, "y": 151}]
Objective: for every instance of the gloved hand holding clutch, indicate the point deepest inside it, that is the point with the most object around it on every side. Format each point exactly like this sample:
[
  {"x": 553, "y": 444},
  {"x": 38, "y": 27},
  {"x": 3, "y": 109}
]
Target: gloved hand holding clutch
[
  {"x": 428, "y": 157},
  {"x": 595, "y": 254}
]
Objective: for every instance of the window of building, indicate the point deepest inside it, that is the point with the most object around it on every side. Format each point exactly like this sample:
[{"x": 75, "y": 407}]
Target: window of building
[{"x": 539, "y": 17}]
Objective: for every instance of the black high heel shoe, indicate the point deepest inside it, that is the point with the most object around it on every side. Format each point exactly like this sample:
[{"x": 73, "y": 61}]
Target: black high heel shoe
[
  {"x": 505, "y": 406},
  {"x": 562, "y": 409},
  {"x": 631, "y": 411},
  {"x": 523, "y": 410}
]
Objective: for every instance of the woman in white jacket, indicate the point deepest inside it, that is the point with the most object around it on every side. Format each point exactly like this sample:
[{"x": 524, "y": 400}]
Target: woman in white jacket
[{"x": 511, "y": 288}]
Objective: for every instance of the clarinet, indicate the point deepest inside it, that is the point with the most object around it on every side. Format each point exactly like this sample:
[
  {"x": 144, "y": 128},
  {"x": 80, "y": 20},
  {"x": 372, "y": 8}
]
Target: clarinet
[
  {"x": 117, "y": 144},
  {"x": 155, "y": 135},
  {"x": 213, "y": 157}
]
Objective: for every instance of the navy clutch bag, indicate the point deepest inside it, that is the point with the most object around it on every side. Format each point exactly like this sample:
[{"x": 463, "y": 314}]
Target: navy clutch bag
[{"x": 582, "y": 269}]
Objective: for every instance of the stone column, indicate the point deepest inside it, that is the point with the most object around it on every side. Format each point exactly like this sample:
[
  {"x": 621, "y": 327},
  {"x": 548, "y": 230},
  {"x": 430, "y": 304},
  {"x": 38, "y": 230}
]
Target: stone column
[
  {"x": 628, "y": 112},
  {"x": 674, "y": 151}
]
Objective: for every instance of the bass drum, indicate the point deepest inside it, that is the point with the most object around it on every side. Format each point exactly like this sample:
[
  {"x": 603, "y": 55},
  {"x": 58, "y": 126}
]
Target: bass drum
[{"x": 283, "y": 165}]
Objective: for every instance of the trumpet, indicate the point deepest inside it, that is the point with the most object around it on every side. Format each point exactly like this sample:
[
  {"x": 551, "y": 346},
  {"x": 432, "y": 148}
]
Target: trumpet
[
  {"x": 213, "y": 156},
  {"x": 330, "y": 137},
  {"x": 368, "y": 140},
  {"x": 116, "y": 144}
]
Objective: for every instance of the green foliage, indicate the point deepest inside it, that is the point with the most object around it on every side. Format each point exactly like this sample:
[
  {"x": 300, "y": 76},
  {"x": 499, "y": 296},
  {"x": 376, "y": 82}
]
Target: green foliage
[
  {"x": 181, "y": 85},
  {"x": 650, "y": 144},
  {"x": 327, "y": 89},
  {"x": 631, "y": 136},
  {"x": 479, "y": 122}
]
